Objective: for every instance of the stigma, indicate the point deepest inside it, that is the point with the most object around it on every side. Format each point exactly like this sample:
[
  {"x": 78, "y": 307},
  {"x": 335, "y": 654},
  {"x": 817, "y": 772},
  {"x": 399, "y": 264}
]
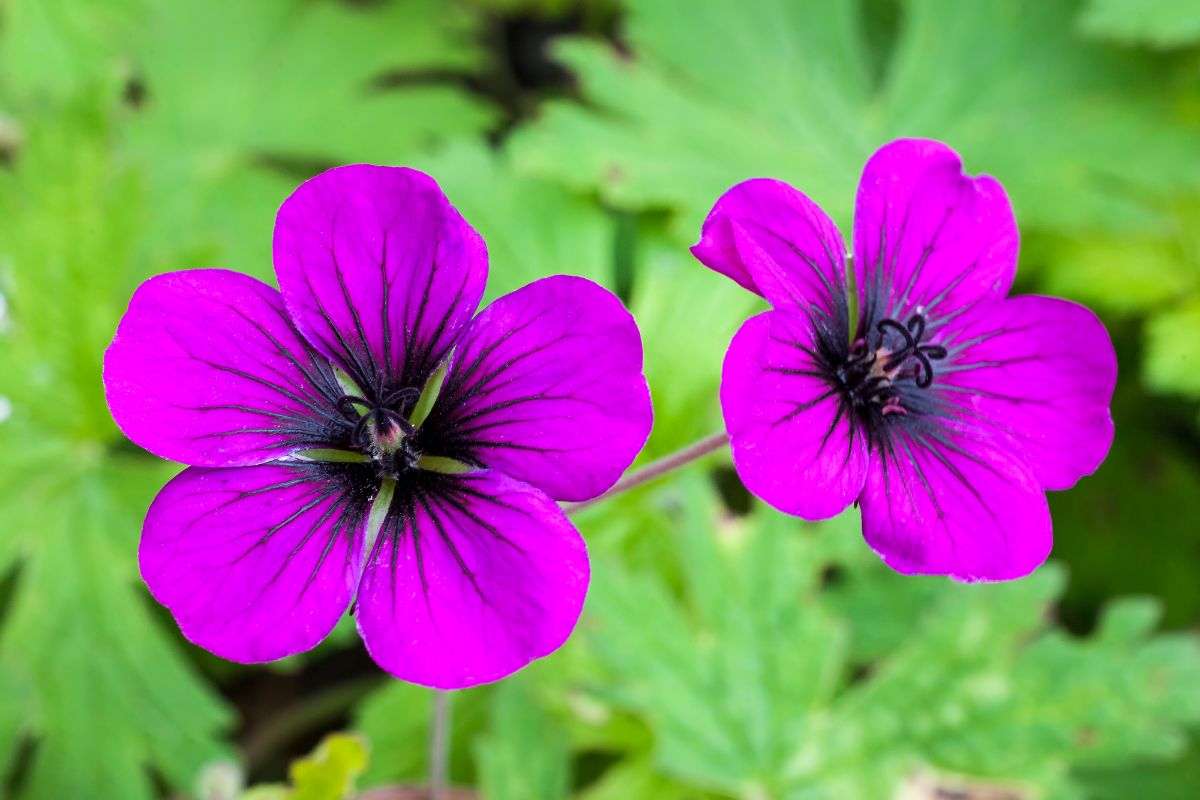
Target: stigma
[
  {"x": 884, "y": 361},
  {"x": 382, "y": 430}
]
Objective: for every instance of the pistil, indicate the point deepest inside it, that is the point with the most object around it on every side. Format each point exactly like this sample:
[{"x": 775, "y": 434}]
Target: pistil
[{"x": 870, "y": 374}]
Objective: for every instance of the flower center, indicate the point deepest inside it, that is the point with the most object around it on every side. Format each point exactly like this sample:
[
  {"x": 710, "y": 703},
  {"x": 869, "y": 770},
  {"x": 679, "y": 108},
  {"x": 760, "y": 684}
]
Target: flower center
[
  {"x": 383, "y": 430},
  {"x": 871, "y": 373}
]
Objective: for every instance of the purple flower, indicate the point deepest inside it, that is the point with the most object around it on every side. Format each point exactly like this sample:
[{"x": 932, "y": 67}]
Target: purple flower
[
  {"x": 258, "y": 548},
  {"x": 948, "y": 409}
]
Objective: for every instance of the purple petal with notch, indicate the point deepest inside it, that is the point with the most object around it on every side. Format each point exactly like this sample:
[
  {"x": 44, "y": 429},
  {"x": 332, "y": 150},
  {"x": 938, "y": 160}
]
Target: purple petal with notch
[
  {"x": 472, "y": 577},
  {"x": 794, "y": 443},
  {"x": 927, "y": 237},
  {"x": 257, "y": 563},
  {"x": 949, "y": 500},
  {"x": 379, "y": 272},
  {"x": 1042, "y": 370},
  {"x": 546, "y": 386},
  {"x": 773, "y": 240},
  {"x": 206, "y": 368}
]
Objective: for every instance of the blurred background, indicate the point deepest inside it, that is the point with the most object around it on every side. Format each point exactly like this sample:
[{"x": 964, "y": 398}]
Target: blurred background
[{"x": 726, "y": 651}]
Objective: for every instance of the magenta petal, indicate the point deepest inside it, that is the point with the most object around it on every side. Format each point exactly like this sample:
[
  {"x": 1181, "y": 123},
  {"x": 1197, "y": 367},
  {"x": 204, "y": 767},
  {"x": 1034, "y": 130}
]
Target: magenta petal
[
  {"x": 379, "y": 271},
  {"x": 256, "y": 563},
  {"x": 206, "y": 368},
  {"x": 948, "y": 501},
  {"x": 1042, "y": 370},
  {"x": 472, "y": 577},
  {"x": 926, "y": 236},
  {"x": 773, "y": 240},
  {"x": 793, "y": 443},
  {"x": 546, "y": 385}
]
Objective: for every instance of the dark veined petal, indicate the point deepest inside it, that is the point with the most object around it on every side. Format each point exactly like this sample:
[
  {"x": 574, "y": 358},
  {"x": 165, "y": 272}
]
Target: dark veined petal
[
  {"x": 472, "y": 577},
  {"x": 546, "y": 385},
  {"x": 1043, "y": 371},
  {"x": 379, "y": 272},
  {"x": 206, "y": 368},
  {"x": 257, "y": 563},
  {"x": 772, "y": 239},
  {"x": 795, "y": 444},
  {"x": 947, "y": 500},
  {"x": 928, "y": 238}
]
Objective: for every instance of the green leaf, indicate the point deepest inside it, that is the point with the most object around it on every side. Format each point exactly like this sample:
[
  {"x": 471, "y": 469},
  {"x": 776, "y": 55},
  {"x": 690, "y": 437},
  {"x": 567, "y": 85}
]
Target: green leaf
[
  {"x": 687, "y": 316},
  {"x": 52, "y": 48},
  {"x": 1124, "y": 275},
  {"x": 750, "y": 691},
  {"x": 725, "y": 700},
  {"x": 396, "y": 721},
  {"x": 67, "y": 263},
  {"x": 235, "y": 91},
  {"x": 1173, "y": 349},
  {"x": 533, "y": 228},
  {"x": 523, "y": 756},
  {"x": 1179, "y": 780},
  {"x": 18, "y": 706},
  {"x": 637, "y": 778},
  {"x": 1157, "y": 23},
  {"x": 1147, "y": 483},
  {"x": 329, "y": 773},
  {"x": 109, "y": 694},
  {"x": 787, "y": 90}
]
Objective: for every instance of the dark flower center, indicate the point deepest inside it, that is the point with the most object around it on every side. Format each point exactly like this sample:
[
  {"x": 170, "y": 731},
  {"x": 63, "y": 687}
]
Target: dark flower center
[
  {"x": 873, "y": 373},
  {"x": 383, "y": 430}
]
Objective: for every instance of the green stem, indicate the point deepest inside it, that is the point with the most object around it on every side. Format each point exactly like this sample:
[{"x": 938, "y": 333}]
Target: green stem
[
  {"x": 439, "y": 745},
  {"x": 657, "y": 469}
]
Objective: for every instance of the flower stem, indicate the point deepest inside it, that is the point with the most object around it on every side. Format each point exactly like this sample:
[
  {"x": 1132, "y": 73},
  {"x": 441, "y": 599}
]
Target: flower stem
[
  {"x": 656, "y": 469},
  {"x": 439, "y": 741}
]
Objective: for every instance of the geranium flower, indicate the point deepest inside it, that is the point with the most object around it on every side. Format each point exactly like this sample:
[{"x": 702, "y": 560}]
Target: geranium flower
[
  {"x": 328, "y": 465},
  {"x": 946, "y": 410}
]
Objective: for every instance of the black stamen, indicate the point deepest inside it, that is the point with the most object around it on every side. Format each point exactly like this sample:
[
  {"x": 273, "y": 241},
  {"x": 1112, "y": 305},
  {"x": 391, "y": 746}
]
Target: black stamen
[
  {"x": 346, "y": 403},
  {"x": 924, "y": 376},
  {"x": 909, "y": 342},
  {"x": 403, "y": 397},
  {"x": 916, "y": 324}
]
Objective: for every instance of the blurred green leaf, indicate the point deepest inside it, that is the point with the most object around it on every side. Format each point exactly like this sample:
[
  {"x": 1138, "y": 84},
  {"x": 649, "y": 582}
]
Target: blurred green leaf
[
  {"x": 687, "y": 317},
  {"x": 1148, "y": 483},
  {"x": 533, "y": 228},
  {"x": 637, "y": 778},
  {"x": 714, "y": 93},
  {"x": 1122, "y": 275},
  {"x": 523, "y": 756},
  {"x": 1173, "y": 349},
  {"x": 52, "y": 48},
  {"x": 749, "y": 690},
  {"x": 17, "y": 691},
  {"x": 1157, "y": 23},
  {"x": 396, "y": 721},
  {"x": 109, "y": 693},
  {"x": 244, "y": 100},
  {"x": 1176, "y": 781},
  {"x": 329, "y": 773},
  {"x": 727, "y": 701}
]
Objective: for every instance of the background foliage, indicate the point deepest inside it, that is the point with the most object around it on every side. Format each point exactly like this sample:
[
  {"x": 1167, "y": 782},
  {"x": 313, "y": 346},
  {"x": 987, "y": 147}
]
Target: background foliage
[{"x": 726, "y": 651}]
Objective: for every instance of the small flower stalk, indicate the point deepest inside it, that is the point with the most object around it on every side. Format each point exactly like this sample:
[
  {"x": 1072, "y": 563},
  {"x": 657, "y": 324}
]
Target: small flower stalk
[{"x": 943, "y": 408}]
